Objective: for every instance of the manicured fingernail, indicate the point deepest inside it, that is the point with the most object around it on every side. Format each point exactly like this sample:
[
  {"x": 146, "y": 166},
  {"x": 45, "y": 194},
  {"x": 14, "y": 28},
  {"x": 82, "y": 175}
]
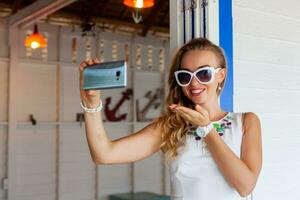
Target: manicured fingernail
[{"x": 172, "y": 106}]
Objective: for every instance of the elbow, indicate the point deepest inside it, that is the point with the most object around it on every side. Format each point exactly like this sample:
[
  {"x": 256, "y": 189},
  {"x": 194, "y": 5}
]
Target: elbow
[
  {"x": 245, "y": 193},
  {"x": 100, "y": 156},
  {"x": 245, "y": 185},
  {"x": 246, "y": 189},
  {"x": 97, "y": 160},
  {"x": 102, "y": 162}
]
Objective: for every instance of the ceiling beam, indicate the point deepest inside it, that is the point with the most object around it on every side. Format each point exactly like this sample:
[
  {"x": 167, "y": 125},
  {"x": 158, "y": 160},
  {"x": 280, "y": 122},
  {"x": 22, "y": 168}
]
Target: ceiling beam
[
  {"x": 16, "y": 6},
  {"x": 37, "y": 10},
  {"x": 103, "y": 8},
  {"x": 151, "y": 17},
  {"x": 73, "y": 18}
]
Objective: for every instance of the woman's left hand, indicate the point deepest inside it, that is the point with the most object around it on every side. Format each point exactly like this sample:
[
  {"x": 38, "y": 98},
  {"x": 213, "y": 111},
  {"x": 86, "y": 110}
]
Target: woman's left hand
[{"x": 197, "y": 117}]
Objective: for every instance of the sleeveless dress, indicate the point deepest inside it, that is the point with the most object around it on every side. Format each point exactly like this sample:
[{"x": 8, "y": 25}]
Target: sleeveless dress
[{"x": 194, "y": 175}]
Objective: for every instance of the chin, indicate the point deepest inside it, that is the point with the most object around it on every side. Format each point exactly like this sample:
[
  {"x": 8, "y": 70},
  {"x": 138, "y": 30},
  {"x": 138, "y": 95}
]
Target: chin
[{"x": 198, "y": 100}]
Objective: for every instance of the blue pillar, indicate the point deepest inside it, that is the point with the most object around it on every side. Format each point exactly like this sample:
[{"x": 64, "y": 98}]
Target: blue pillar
[{"x": 225, "y": 41}]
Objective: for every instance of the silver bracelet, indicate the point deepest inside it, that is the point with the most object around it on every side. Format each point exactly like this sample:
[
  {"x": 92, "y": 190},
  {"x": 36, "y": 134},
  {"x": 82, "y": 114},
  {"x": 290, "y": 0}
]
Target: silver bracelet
[{"x": 92, "y": 110}]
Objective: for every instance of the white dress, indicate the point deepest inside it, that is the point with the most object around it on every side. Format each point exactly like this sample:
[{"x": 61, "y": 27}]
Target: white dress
[{"x": 194, "y": 174}]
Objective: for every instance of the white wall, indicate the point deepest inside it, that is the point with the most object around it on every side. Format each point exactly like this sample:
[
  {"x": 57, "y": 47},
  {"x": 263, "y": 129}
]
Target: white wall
[
  {"x": 52, "y": 159},
  {"x": 266, "y": 81}
]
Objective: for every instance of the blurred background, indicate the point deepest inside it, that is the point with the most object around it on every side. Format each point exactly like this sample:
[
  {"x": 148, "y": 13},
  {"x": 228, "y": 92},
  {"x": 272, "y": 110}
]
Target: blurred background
[{"x": 43, "y": 150}]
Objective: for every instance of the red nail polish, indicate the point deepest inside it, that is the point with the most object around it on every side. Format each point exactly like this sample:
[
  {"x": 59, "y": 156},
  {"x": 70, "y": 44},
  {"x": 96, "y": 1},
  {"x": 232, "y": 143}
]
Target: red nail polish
[{"x": 172, "y": 106}]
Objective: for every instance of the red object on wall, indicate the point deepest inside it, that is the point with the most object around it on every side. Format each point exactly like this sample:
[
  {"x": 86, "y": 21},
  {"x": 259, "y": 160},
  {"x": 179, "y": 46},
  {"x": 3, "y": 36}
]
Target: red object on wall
[{"x": 111, "y": 114}]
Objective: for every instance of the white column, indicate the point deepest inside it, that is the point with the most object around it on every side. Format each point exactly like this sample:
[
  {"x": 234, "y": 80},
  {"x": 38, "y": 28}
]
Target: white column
[
  {"x": 213, "y": 21},
  {"x": 14, "y": 41},
  {"x": 176, "y": 24},
  {"x": 188, "y": 16}
]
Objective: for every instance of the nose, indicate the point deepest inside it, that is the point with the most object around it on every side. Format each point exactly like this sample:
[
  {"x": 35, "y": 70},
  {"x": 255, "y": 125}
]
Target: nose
[{"x": 194, "y": 81}]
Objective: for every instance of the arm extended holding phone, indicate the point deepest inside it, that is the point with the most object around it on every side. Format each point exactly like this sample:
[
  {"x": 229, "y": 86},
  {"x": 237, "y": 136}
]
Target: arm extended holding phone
[{"x": 93, "y": 77}]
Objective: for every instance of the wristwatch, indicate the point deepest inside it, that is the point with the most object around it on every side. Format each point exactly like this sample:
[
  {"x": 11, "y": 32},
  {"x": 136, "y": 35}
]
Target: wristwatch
[{"x": 202, "y": 131}]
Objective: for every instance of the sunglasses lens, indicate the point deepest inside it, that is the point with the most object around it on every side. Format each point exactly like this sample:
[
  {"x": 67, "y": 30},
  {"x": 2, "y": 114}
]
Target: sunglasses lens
[
  {"x": 184, "y": 78},
  {"x": 204, "y": 75}
]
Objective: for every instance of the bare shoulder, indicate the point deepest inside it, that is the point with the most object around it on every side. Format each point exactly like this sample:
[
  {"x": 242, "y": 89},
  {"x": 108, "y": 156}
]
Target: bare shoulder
[
  {"x": 251, "y": 121},
  {"x": 251, "y": 148}
]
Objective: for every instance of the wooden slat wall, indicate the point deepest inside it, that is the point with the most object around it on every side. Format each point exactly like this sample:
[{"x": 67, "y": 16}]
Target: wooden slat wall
[
  {"x": 35, "y": 160},
  {"x": 37, "y": 92},
  {"x": 115, "y": 178},
  {"x": 77, "y": 169},
  {"x": 145, "y": 170},
  {"x": 55, "y": 152},
  {"x": 266, "y": 79}
]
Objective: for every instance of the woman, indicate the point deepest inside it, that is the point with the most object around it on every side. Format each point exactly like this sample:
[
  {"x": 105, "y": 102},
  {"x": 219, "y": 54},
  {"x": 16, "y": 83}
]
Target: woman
[{"x": 212, "y": 154}]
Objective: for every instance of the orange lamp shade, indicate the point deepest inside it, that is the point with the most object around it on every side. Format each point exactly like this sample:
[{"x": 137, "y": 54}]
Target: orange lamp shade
[
  {"x": 139, "y": 3},
  {"x": 35, "y": 40}
]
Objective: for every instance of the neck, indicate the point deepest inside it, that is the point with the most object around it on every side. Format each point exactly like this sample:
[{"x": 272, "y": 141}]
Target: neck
[{"x": 214, "y": 109}]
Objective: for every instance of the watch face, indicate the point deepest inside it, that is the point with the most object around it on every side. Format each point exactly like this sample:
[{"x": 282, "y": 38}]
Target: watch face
[
  {"x": 200, "y": 132},
  {"x": 203, "y": 131}
]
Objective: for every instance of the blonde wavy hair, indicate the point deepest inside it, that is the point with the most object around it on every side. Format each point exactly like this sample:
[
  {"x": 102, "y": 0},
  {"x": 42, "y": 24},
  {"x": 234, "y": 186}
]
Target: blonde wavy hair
[{"x": 173, "y": 126}]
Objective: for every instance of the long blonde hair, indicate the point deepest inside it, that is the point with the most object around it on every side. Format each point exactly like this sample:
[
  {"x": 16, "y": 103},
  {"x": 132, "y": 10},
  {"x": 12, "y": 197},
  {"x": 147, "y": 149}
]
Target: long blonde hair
[{"x": 173, "y": 126}]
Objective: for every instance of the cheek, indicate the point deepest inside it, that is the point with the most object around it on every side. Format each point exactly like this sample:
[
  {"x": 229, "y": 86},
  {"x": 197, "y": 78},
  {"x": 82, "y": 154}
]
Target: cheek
[
  {"x": 212, "y": 88},
  {"x": 185, "y": 90}
]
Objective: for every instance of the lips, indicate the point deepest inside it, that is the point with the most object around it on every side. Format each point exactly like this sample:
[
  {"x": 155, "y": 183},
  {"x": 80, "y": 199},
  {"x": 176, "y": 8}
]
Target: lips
[{"x": 197, "y": 91}]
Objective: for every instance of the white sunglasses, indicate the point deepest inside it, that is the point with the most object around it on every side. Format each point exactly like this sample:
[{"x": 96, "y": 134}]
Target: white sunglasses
[{"x": 204, "y": 75}]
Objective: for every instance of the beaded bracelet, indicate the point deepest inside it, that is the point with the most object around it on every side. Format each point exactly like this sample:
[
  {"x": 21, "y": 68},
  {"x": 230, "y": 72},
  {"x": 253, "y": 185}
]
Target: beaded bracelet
[{"x": 92, "y": 110}]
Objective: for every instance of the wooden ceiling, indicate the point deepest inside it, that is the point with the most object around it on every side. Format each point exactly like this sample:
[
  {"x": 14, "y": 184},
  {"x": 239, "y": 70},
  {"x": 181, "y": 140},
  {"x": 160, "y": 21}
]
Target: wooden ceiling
[{"x": 112, "y": 15}]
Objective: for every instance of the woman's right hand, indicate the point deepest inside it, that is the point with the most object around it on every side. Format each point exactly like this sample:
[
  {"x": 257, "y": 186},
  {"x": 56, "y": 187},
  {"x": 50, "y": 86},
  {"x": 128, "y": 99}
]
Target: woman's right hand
[{"x": 89, "y": 98}]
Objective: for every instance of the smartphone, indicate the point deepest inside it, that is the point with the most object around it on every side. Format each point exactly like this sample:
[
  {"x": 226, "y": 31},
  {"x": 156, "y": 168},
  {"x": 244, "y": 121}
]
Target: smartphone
[{"x": 106, "y": 75}]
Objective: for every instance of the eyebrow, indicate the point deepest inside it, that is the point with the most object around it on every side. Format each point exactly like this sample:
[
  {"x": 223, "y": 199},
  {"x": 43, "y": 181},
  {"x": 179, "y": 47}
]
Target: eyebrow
[{"x": 196, "y": 69}]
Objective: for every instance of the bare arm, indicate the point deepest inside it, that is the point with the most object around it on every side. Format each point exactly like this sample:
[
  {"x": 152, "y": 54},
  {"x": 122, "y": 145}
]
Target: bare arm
[
  {"x": 124, "y": 150},
  {"x": 127, "y": 149},
  {"x": 242, "y": 173}
]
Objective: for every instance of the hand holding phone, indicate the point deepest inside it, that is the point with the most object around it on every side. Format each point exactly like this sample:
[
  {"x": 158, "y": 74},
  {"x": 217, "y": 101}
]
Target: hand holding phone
[{"x": 89, "y": 98}]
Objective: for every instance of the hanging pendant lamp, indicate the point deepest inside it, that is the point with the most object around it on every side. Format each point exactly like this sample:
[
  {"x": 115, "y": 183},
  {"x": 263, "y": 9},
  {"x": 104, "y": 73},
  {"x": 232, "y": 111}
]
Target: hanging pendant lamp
[
  {"x": 35, "y": 40},
  {"x": 139, "y": 3}
]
